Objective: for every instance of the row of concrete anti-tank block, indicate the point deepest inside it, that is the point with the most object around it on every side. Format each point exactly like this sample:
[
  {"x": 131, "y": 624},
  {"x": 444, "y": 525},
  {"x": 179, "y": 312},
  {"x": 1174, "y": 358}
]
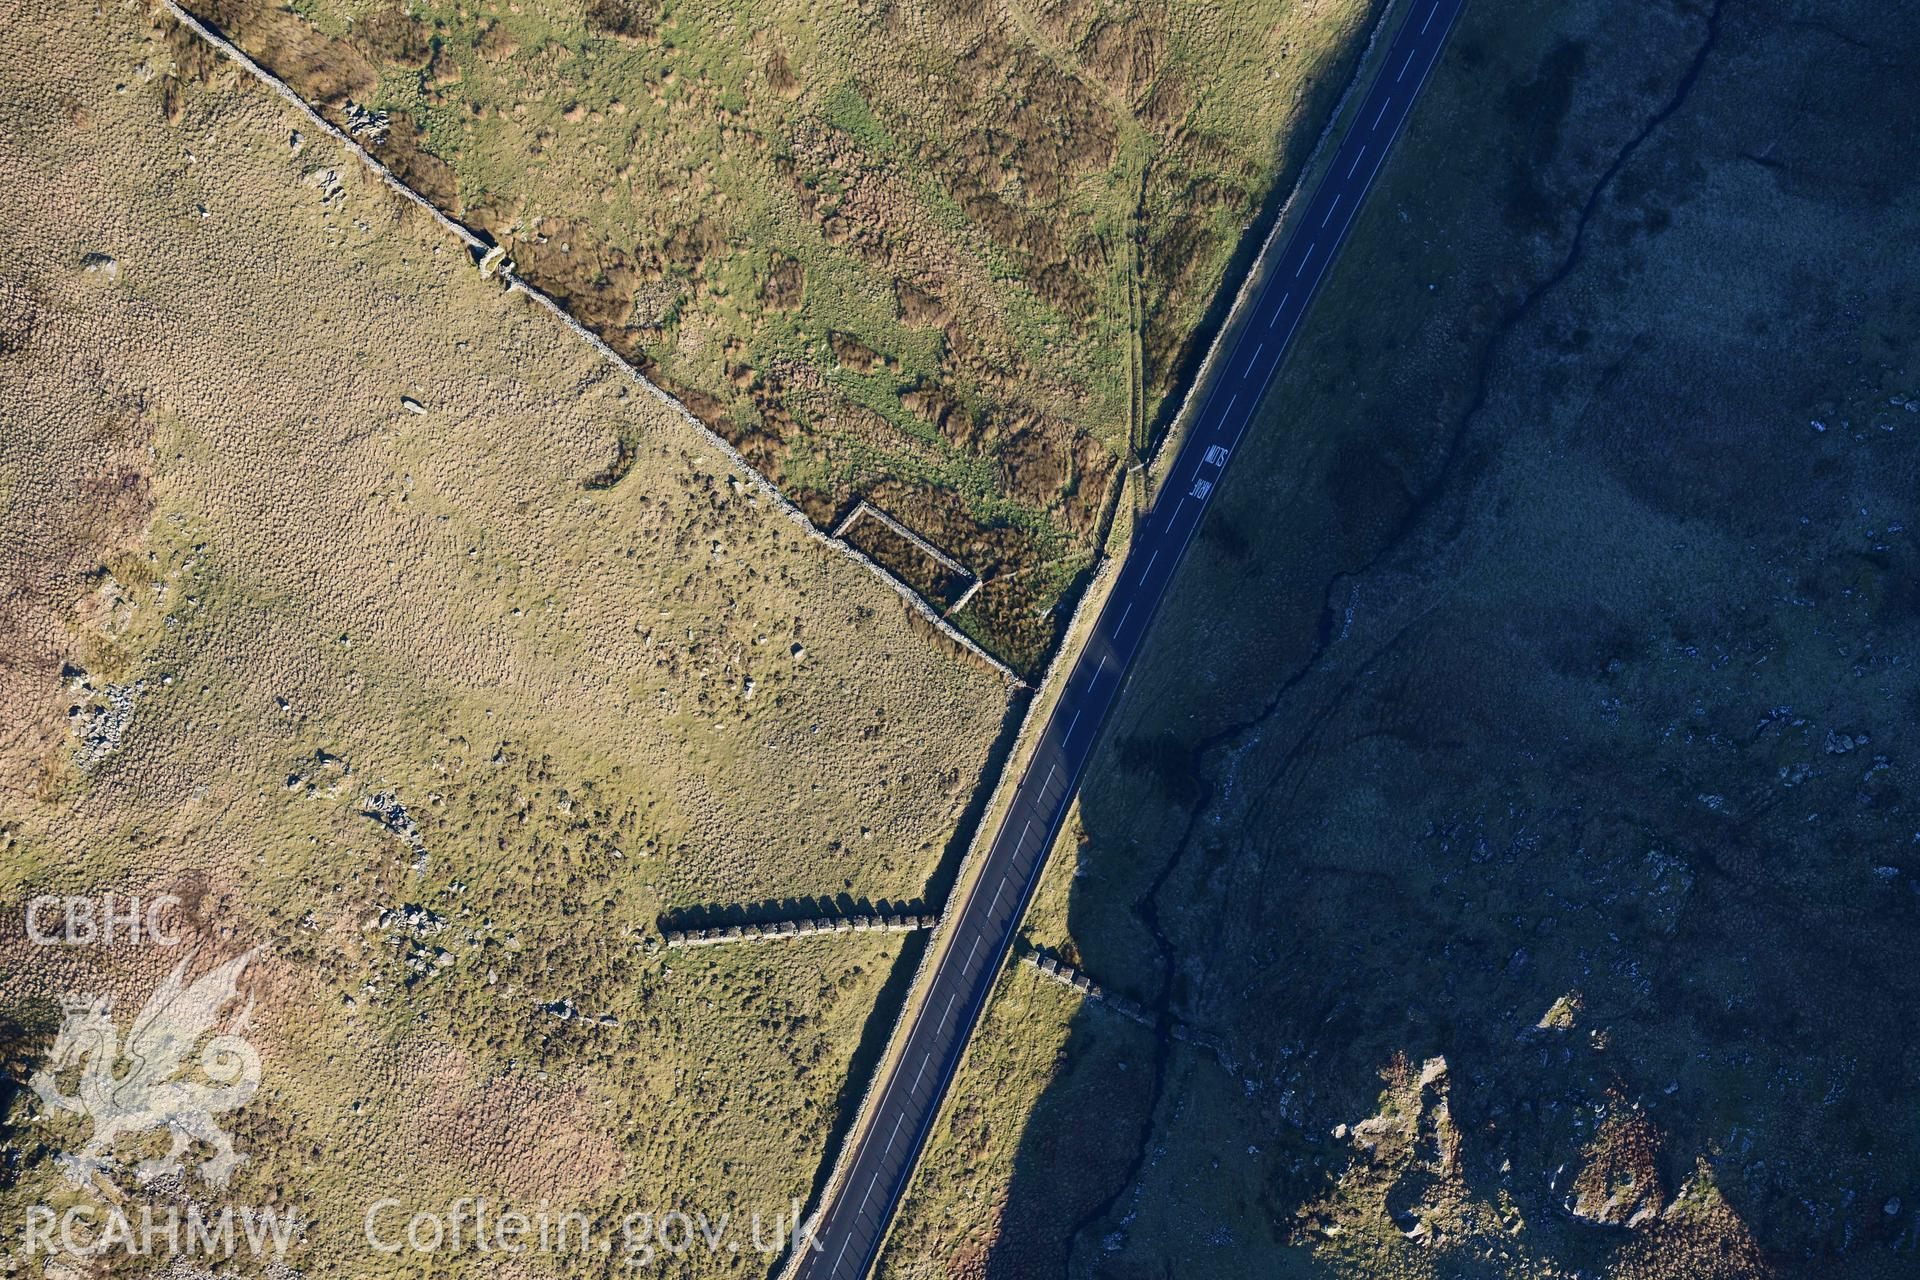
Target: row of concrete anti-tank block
[
  {"x": 1068, "y": 976},
  {"x": 1052, "y": 967},
  {"x": 781, "y": 929}
]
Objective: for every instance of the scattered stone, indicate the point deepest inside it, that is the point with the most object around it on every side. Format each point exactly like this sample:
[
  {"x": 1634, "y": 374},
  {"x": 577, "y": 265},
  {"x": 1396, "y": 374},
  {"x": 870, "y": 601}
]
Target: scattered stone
[
  {"x": 416, "y": 919},
  {"x": 371, "y": 127},
  {"x": 99, "y": 724},
  {"x": 327, "y": 183},
  {"x": 385, "y": 808}
]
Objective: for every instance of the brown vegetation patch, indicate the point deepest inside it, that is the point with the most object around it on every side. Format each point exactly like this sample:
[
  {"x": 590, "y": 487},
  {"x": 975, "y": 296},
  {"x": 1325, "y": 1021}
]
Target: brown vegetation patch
[
  {"x": 626, "y": 19},
  {"x": 396, "y": 36},
  {"x": 917, "y": 306},
  {"x": 786, "y": 283},
  {"x": 507, "y": 1131},
  {"x": 324, "y": 71},
  {"x": 855, "y": 354}
]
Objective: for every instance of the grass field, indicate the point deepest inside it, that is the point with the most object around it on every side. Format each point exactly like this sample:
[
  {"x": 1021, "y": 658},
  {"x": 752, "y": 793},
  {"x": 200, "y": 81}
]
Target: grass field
[
  {"x": 947, "y": 258},
  {"x": 1522, "y": 806},
  {"x": 367, "y": 610}
]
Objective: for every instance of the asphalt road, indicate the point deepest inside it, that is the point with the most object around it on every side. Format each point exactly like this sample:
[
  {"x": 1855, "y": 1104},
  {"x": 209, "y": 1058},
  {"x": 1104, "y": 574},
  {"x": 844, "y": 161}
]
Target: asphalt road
[{"x": 849, "y": 1232}]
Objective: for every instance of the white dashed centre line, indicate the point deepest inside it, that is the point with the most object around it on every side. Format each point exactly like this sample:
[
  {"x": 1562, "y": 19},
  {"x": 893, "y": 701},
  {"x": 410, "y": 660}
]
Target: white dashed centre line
[
  {"x": 1405, "y": 65},
  {"x": 1304, "y": 259},
  {"x": 1123, "y": 618},
  {"x": 838, "y": 1257},
  {"x": 1252, "y": 360},
  {"x": 1330, "y": 208},
  {"x": 1429, "y": 21},
  {"x": 1382, "y": 116},
  {"x": 1356, "y": 160}
]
